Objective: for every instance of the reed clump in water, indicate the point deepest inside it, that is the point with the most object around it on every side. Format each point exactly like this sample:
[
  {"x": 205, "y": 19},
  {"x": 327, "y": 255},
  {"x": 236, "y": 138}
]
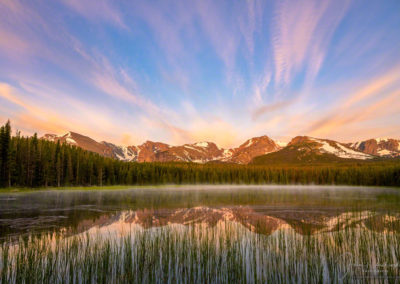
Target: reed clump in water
[{"x": 225, "y": 253}]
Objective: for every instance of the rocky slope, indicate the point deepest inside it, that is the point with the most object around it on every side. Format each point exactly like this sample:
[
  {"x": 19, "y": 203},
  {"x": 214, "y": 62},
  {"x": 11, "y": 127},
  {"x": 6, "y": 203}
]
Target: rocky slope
[
  {"x": 251, "y": 148},
  {"x": 304, "y": 149},
  {"x": 201, "y": 152},
  {"x": 262, "y": 149},
  {"x": 83, "y": 142},
  {"x": 383, "y": 147}
]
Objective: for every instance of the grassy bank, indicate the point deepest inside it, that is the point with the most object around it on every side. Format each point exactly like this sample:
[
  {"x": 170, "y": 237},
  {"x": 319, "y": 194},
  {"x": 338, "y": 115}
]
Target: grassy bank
[
  {"x": 35, "y": 189},
  {"x": 167, "y": 186}
]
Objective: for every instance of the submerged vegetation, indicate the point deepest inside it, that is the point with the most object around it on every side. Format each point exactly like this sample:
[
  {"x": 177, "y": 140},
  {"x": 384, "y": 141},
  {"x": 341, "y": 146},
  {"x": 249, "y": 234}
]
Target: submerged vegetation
[
  {"x": 224, "y": 253},
  {"x": 33, "y": 162}
]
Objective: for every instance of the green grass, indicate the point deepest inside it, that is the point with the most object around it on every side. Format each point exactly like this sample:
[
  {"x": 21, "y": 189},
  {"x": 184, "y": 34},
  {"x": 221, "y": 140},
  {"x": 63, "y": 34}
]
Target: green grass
[
  {"x": 196, "y": 254},
  {"x": 163, "y": 186},
  {"x": 106, "y": 187}
]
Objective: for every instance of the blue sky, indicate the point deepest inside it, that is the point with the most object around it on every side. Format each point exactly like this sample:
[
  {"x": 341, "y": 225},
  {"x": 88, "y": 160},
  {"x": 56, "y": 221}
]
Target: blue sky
[{"x": 187, "y": 71}]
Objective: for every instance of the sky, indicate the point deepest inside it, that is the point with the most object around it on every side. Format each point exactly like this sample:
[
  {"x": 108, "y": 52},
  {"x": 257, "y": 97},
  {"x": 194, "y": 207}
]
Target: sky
[{"x": 207, "y": 70}]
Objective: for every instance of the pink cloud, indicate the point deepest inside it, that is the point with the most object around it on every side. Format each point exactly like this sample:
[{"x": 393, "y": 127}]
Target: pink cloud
[
  {"x": 96, "y": 10},
  {"x": 301, "y": 32}
]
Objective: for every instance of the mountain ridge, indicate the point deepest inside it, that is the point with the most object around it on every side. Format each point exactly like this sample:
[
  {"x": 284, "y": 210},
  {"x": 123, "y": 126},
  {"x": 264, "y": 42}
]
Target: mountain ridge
[
  {"x": 149, "y": 151},
  {"x": 306, "y": 149},
  {"x": 303, "y": 148},
  {"x": 384, "y": 147}
]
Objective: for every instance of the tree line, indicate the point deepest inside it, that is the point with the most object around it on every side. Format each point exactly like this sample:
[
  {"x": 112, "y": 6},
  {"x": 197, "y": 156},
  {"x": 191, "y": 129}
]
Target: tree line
[{"x": 34, "y": 162}]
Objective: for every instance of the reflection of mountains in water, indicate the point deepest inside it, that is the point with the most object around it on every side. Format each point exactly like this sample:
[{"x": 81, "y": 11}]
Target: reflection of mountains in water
[{"x": 255, "y": 220}]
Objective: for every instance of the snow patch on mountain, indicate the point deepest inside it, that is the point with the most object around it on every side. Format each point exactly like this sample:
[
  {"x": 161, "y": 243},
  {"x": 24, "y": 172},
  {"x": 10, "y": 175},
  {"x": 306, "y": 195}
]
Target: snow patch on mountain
[
  {"x": 50, "y": 137},
  {"x": 191, "y": 147},
  {"x": 227, "y": 153},
  {"x": 129, "y": 155},
  {"x": 382, "y": 139},
  {"x": 200, "y": 161},
  {"x": 384, "y": 147},
  {"x": 281, "y": 143},
  {"x": 249, "y": 143},
  {"x": 384, "y": 152},
  {"x": 201, "y": 144},
  {"x": 341, "y": 151},
  {"x": 70, "y": 141}
]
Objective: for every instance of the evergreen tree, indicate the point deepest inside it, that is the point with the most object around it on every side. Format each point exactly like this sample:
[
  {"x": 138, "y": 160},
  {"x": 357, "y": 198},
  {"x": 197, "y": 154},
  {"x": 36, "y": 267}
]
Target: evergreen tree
[
  {"x": 33, "y": 162},
  {"x": 5, "y": 153}
]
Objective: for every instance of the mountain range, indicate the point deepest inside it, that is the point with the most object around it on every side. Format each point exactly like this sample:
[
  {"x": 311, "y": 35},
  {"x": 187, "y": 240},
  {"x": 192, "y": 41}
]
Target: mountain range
[{"x": 257, "y": 150}]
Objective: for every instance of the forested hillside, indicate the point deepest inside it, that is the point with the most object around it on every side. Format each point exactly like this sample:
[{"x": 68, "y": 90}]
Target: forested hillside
[{"x": 33, "y": 162}]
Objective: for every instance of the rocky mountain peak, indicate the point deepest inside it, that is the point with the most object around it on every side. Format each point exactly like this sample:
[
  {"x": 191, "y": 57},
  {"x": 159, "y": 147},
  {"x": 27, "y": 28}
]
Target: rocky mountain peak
[
  {"x": 383, "y": 147},
  {"x": 252, "y": 148},
  {"x": 205, "y": 151}
]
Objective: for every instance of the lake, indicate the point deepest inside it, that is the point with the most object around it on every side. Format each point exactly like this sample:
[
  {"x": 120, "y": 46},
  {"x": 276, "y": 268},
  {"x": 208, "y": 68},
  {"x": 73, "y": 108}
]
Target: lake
[{"x": 214, "y": 234}]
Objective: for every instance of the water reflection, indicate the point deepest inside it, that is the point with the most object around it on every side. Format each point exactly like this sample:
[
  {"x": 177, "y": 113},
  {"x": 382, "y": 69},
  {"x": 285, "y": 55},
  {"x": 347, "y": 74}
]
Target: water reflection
[
  {"x": 202, "y": 235},
  {"x": 307, "y": 210},
  {"x": 253, "y": 219}
]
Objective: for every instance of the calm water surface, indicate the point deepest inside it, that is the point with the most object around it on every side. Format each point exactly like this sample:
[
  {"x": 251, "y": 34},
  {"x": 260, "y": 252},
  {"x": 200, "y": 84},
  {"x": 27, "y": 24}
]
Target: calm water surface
[{"x": 210, "y": 233}]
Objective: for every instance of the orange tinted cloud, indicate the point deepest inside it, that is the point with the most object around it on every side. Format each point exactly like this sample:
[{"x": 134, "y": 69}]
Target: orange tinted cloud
[
  {"x": 374, "y": 87},
  {"x": 35, "y": 118},
  {"x": 32, "y": 117},
  {"x": 375, "y": 110},
  {"x": 11, "y": 43},
  {"x": 270, "y": 108}
]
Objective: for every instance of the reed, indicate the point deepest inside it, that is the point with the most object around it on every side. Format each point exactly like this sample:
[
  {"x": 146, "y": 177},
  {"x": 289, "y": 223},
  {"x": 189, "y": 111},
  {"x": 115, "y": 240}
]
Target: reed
[{"x": 224, "y": 253}]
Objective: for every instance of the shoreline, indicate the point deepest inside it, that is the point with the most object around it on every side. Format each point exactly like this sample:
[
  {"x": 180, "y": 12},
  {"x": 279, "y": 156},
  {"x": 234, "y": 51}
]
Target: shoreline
[{"x": 189, "y": 186}]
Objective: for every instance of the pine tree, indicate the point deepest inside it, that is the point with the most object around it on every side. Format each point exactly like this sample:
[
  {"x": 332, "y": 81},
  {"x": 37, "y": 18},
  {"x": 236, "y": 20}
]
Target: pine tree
[
  {"x": 1, "y": 154},
  {"x": 5, "y": 138},
  {"x": 33, "y": 162}
]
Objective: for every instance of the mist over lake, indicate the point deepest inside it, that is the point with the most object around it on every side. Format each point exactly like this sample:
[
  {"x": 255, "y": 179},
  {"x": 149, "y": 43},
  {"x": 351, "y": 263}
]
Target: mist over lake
[
  {"x": 201, "y": 141},
  {"x": 202, "y": 234}
]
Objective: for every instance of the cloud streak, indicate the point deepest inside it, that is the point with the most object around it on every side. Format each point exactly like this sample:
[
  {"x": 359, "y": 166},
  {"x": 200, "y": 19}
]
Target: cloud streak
[
  {"x": 373, "y": 100},
  {"x": 97, "y": 10},
  {"x": 301, "y": 32},
  {"x": 179, "y": 71}
]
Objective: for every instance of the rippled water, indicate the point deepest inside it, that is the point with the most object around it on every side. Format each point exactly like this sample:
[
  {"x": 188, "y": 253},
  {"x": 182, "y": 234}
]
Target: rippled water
[{"x": 205, "y": 234}]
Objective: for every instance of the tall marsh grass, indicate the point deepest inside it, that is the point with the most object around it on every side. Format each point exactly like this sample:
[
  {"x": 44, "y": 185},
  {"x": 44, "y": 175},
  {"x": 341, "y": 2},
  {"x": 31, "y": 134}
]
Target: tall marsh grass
[{"x": 226, "y": 253}]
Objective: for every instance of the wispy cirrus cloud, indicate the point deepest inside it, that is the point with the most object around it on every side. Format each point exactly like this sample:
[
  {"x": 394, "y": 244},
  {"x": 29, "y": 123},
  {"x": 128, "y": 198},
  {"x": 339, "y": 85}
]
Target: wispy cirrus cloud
[
  {"x": 198, "y": 26},
  {"x": 270, "y": 108},
  {"x": 376, "y": 99},
  {"x": 30, "y": 35},
  {"x": 250, "y": 23},
  {"x": 241, "y": 69},
  {"x": 375, "y": 87},
  {"x": 30, "y": 116},
  {"x": 301, "y": 32},
  {"x": 359, "y": 119},
  {"x": 97, "y": 10}
]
